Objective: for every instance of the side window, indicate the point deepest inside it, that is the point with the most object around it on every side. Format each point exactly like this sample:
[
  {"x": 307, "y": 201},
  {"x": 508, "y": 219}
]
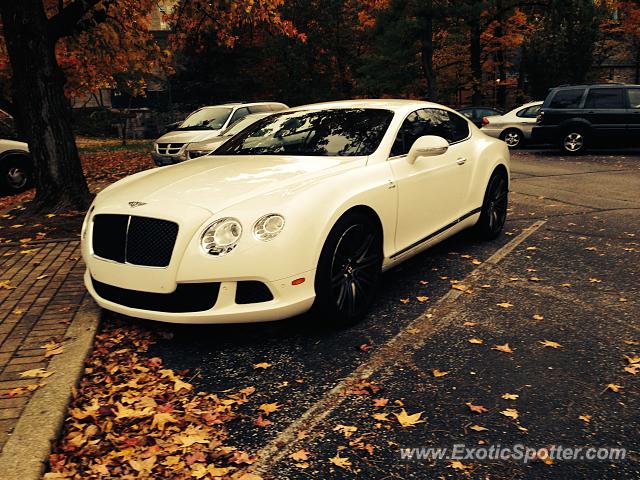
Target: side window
[
  {"x": 634, "y": 97},
  {"x": 429, "y": 121},
  {"x": 238, "y": 115},
  {"x": 604, "y": 98},
  {"x": 569, "y": 98},
  {"x": 260, "y": 108},
  {"x": 529, "y": 112}
]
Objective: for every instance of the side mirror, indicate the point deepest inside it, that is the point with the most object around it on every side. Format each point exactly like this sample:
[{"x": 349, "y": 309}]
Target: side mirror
[{"x": 427, "y": 146}]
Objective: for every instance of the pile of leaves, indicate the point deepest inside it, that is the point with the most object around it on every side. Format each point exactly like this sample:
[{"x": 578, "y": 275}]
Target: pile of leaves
[
  {"x": 133, "y": 418},
  {"x": 101, "y": 167}
]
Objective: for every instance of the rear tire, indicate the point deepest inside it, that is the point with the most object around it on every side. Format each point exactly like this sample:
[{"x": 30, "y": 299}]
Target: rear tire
[
  {"x": 573, "y": 141},
  {"x": 494, "y": 207},
  {"x": 15, "y": 174},
  {"x": 513, "y": 138},
  {"x": 348, "y": 271}
]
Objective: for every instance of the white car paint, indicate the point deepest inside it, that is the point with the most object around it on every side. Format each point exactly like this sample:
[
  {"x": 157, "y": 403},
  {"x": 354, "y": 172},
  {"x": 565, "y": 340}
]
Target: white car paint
[
  {"x": 418, "y": 204},
  {"x": 512, "y": 121}
]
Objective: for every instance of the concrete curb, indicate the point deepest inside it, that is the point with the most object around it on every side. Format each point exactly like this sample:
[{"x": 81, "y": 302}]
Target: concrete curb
[{"x": 25, "y": 453}]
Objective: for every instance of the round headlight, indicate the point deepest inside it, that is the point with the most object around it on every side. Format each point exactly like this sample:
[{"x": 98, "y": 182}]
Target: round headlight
[
  {"x": 268, "y": 227},
  {"x": 221, "y": 237}
]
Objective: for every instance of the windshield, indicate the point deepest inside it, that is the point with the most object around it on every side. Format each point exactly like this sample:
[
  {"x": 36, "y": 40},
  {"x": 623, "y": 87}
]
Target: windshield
[
  {"x": 326, "y": 133},
  {"x": 206, "y": 119},
  {"x": 244, "y": 123}
]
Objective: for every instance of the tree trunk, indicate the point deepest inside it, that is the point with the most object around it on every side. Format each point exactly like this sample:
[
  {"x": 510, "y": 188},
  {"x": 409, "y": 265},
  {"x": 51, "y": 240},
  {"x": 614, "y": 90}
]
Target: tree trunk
[
  {"x": 427, "y": 52},
  {"x": 38, "y": 84},
  {"x": 476, "y": 62},
  {"x": 501, "y": 87}
]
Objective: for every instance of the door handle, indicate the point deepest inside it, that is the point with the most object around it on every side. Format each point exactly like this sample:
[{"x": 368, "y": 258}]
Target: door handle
[{"x": 461, "y": 161}]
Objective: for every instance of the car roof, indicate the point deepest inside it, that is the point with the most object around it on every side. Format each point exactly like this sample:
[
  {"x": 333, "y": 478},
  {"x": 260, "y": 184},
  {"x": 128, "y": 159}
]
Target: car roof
[
  {"x": 397, "y": 105},
  {"x": 597, "y": 85}
]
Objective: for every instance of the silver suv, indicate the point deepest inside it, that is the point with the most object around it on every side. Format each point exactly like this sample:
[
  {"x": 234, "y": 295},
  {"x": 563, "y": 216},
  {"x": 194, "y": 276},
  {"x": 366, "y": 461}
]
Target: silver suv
[{"x": 204, "y": 124}]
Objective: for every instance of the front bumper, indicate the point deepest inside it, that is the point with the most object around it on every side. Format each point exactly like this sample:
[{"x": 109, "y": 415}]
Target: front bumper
[
  {"x": 163, "y": 160},
  {"x": 288, "y": 300}
]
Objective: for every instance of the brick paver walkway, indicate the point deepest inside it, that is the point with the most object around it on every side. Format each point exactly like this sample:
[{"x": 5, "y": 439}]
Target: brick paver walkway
[{"x": 40, "y": 291}]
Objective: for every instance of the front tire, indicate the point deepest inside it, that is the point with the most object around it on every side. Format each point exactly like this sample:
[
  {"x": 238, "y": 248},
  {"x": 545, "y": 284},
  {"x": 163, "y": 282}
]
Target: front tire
[
  {"x": 15, "y": 174},
  {"x": 573, "y": 141},
  {"x": 513, "y": 138},
  {"x": 493, "y": 214},
  {"x": 349, "y": 270}
]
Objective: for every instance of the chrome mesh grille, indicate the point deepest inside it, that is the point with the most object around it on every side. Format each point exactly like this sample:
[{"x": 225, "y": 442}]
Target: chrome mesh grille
[
  {"x": 136, "y": 240},
  {"x": 169, "y": 148}
]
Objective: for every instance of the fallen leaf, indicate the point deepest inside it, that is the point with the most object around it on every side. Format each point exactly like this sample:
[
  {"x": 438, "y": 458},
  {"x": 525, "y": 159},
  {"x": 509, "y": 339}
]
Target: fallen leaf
[
  {"x": 535, "y": 279},
  {"x": 510, "y": 396},
  {"x": 407, "y": 420},
  {"x": 538, "y": 317},
  {"x": 55, "y": 351},
  {"x": 404, "y": 301},
  {"x": 476, "y": 341},
  {"x": 4, "y": 284},
  {"x": 346, "y": 430},
  {"x": 301, "y": 455},
  {"x": 37, "y": 373},
  {"x": 585, "y": 418},
  {"x": 268, "y": 408},
  {"x": 566, "y": 285},
  {"x": 422, "y": 299},
  {"x": 41, "y": 277},
  {"x": 263, "y": 365},
  {"x": 478, "y": 428},
  {"x": 476, "y": 408},
  {"x": 143, "y": 466},
  {"x": 260, "y": 422},
  {"x": 161, "y": 419},
  {"x": 632, "y": 360},
  {"x": 469, "y": 324},
  {"x": 614, "y": 387},
  {"x": 510, "y": 412},
  {"x": 365, "y": 347},
  {"x": 381, "y": 417},
  {"x": 341, "y": 462},
  {"x": 437, "y": 373},
  {"x": 458, "y": 465},
  {"x": 380, "y": 402},
  {"x": 502, "y": 348},
  {"x": 504, "y": 305},
  {"x": 595, "y": 280},
  {"x": 550, "y": 344}
]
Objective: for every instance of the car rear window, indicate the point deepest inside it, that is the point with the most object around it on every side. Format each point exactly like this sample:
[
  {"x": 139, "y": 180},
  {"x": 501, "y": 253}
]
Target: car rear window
[
  {"x": 604, "y": 98},
  {"x": 634, "y": 97},
  {"x": 568, "y": 98},
  {"x": 347, "y": 132}
]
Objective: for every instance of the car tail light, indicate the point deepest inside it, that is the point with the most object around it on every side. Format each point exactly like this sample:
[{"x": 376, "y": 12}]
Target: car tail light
[{"x": 485, "y": 121}]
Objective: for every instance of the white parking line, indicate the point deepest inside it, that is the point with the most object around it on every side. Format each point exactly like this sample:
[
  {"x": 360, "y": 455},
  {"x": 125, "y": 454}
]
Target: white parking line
[{"x": 286, "y": 441}]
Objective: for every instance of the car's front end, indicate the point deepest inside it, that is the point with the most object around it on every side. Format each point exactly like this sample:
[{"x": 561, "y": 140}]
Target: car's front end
[{"x": 220, "y": 240}]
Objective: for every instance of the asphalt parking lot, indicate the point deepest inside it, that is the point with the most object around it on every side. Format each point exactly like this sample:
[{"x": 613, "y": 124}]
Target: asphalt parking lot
[{"x": 565, "y": 272}]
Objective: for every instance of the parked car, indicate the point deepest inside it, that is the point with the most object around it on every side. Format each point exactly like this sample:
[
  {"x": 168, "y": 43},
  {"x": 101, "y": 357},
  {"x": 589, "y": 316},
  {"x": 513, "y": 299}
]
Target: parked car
[
  {"x": 204, "y": 124},
  {"x": 576, "y": 117},
  {"x": 200, "y": 149},
  {"x": 476, "y": 114},
  {"x": 514, "y": 127},
  {"x": 302, "y": 210},
  {"x": 15, "y": 167}
]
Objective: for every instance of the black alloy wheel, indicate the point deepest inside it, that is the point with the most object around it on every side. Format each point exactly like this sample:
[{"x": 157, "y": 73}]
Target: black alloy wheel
[
  {"x": 349, "y": 270},
  {"x": 494, "y": 208}
]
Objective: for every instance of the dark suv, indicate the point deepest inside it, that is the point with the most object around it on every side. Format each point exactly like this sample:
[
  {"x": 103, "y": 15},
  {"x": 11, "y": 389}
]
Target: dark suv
[{"x": 575, "y": 117}]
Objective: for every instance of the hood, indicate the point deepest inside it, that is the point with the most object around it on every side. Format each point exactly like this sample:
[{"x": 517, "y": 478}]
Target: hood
[
  {"x": 217, "y": 182},
  {"x": 188, "y": 136}
]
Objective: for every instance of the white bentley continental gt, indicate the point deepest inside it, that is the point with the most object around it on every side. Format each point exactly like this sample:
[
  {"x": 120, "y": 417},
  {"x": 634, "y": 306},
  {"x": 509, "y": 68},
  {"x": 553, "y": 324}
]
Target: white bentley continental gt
[{"x": 301, "y": 211}]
